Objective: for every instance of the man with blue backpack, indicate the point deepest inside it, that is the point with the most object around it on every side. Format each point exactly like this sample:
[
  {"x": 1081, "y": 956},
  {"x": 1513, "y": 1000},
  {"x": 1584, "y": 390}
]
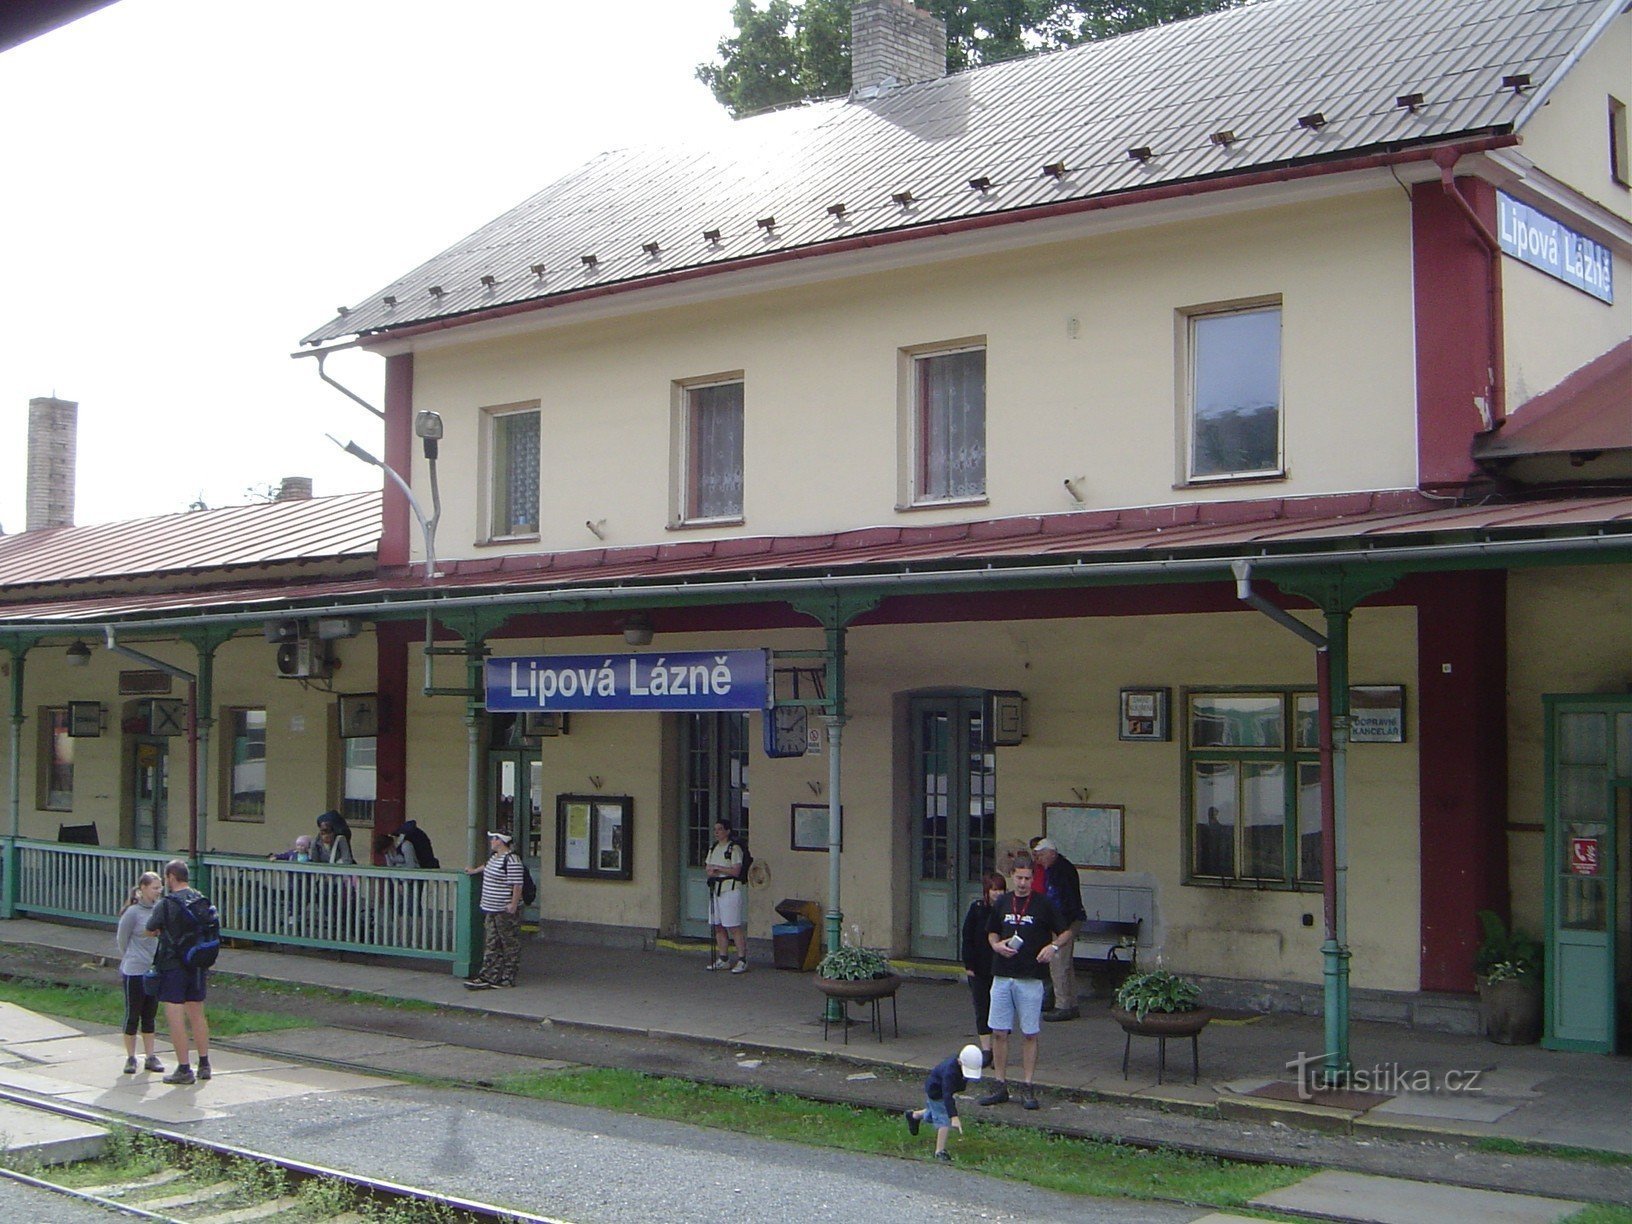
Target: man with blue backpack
[{"x": 189, "y": 934}]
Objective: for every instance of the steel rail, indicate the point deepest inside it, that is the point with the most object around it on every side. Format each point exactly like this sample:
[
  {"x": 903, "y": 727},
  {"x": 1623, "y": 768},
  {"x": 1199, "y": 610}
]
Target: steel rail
[{"x": 130, "y": 1209}]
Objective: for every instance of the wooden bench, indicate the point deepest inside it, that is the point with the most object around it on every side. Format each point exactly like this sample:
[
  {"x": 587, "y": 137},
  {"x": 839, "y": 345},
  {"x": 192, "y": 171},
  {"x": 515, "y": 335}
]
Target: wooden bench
[{"x": 1120, "y": 939}]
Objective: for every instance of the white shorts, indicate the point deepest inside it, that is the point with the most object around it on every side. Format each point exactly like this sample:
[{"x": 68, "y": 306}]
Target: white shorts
[{"x": 727, "y": 907}]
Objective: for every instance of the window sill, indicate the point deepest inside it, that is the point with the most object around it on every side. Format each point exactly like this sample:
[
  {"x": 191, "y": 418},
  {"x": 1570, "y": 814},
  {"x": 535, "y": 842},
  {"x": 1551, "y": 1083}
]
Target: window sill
[
  {"x": 1236, "y": 885},
  {"x": 703, "y": 524},
  {"x": 1246, "y": 478},
  {"x": 502, "y": 541},
  {"x": 943, "y": 503}
]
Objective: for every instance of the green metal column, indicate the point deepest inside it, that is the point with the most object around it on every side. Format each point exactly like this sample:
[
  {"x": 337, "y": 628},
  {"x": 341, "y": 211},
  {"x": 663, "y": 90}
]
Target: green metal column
[
  {"x": 8, "y": 870},
  {"x": 835, "y": 720},
  {"x": 1335, "y": 951},
  {"x": 206, "y": 642}
]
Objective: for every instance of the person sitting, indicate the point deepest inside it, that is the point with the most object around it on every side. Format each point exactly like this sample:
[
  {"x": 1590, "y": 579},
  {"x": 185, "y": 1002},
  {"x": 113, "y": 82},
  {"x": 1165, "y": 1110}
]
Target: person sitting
[
  {"x": 300, "y": 852},
  {"x": 332, "y": 845}
]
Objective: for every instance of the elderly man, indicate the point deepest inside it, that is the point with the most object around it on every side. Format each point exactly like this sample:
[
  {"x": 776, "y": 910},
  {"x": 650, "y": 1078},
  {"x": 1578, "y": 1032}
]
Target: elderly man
[
  {"x": 1057, "y": 879},
  {"x": 500, "y": 903}
]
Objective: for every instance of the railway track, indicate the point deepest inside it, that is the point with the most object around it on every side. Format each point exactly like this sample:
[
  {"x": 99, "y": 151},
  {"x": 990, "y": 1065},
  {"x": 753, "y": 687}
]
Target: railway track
[{"x": 158, "y": 1174}]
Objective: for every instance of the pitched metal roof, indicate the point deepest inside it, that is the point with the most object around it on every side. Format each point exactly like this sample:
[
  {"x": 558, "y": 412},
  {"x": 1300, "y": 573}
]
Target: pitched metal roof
[
  {"x": 315, "y": 530},
  {"x": 1382, "y": 524},
  {"x": 643, "y": 214}
]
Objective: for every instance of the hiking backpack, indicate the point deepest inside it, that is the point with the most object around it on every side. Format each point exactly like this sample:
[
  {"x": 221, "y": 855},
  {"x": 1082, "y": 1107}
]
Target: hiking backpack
[
  {"x": 200, "y": 943},
  {"x": 747, "y": 860},
  {"x": 529, "y": 889},
  {"x": 421, "y": 842}
]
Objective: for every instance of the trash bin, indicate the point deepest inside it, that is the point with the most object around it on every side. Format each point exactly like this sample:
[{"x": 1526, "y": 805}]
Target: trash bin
[{"x": 793, "y": 943}]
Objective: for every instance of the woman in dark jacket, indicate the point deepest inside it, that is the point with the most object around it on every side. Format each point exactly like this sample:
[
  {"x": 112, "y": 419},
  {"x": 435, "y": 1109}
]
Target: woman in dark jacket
[{"x": 977, "y": 957}]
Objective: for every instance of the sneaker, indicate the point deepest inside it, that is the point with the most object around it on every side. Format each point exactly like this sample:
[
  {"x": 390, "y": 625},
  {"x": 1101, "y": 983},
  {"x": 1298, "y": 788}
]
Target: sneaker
[
  {"x": 153, "y": 1063},
  {"x": 478, "y": 984},
  {"x": 1028, "y": 1098},
  {"x": 204, "y": 1069},
  {"x": 740, "y": 967},
  {"x": 130, "y": 1065},
  {"x": 998, "y": 1094},
  {"x": 719, "y": 962},
  {"x": 913, "y": 1122},
  {"x": 181, "y": 1075},
  {"x": 944, "y": 1157}
]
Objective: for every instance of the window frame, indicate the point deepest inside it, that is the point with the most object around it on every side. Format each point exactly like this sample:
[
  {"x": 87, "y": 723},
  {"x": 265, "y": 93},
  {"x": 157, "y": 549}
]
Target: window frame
[
  {"x": 343, "y": 801},
  {"x": 229, "y": 764},
  {"x": 1296, "y": 751},
  {"x": 1620, "y": 148},
  {"x": 914, "y": 411},
  {"x": 1189, "y": 320},
  {"x": 683, "y": 508},
  {"x": 53, "y": 719},
  {"x": 488, "y": 474}
]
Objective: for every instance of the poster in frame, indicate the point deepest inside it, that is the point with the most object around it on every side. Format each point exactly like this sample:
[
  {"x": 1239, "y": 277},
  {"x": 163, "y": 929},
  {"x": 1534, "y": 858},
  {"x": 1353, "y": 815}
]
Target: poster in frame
[
  {"x": 1088, "y": 834},
  {"x": 1143, "y": 714},
  {"x": 594, "y": 837},
  {"x": 808, "y": 826}
]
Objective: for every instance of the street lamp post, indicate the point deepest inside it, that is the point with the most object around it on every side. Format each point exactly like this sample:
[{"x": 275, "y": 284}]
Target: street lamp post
[{"x": 428, "y": 428}]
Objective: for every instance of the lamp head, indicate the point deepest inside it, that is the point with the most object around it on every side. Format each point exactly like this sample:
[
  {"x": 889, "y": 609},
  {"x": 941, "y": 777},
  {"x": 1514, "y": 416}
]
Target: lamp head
[
  {"x": 428, "y": 424},
  {"x": 637, "y": 629},
  {"x": 79, "y": 654}
]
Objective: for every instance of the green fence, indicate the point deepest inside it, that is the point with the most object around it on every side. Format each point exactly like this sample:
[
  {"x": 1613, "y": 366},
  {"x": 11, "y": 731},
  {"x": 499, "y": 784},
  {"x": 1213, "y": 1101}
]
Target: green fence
[{"x": 381, "y": 910}]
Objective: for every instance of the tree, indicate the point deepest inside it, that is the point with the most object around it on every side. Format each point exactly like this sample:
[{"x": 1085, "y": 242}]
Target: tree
[{"x": 795, "y": 50}]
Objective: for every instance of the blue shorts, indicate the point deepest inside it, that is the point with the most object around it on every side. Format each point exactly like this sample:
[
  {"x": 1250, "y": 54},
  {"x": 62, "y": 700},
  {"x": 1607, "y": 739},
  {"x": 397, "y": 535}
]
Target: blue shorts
[
  {"x": 935, "y": 1113},
  {"x": 181, "y": 986},
  {"x": 1022, "y": 997}
]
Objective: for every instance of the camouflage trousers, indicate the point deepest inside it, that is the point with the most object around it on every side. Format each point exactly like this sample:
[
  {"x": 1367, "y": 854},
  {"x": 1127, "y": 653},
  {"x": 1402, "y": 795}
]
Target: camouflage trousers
[{"x": 501, "y": 949}]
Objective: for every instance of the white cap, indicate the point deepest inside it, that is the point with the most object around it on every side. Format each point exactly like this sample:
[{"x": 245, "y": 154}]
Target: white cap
[
  {"x": 1046, "y": 843},
  {"x": 971, "y": 1060}
]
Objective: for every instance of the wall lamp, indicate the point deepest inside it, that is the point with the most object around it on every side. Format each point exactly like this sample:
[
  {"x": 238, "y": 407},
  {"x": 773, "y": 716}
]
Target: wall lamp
[
  {"x": 637, "y": 629},
  {"x": 79, "y": 654}
]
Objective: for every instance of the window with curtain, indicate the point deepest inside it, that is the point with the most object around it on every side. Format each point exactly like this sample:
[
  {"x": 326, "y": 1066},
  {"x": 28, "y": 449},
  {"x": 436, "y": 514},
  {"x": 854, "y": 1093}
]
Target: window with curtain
[
  {"x": 56, "y": 784},
  {"x": 246, "y": 780},
  {"x": 516, "y": 462},
  {"x": 358, "y": 779},
  {"x": 713, "y": 423},
  {"x": 1235, "y": 394},
  {"x": 1252, "y": 783},
  {"x": 950, "y": 396}
]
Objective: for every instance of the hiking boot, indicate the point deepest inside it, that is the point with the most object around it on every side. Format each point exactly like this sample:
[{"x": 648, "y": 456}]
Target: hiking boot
[
  {"x": 998, "y": 1094},
  {"x": 181, "y": 1075},
  {"x": 478, "y": 984},
  {"x": 130, "y": 1065},
  {"x": 204, "y": 1072},
  {"x": 153, "y": 1063},
  {"x": 1061, "y": 1013},
  {"x": 1028, "y": 1098},
  {"x": 944, "y": 1156},
  {"x": 913, "y": 1122},
  {"x": 719, "y": 962},
  {"x": 740, "y": 967}
]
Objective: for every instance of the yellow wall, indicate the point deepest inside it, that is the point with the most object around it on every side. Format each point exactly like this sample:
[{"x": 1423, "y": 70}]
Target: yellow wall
[
  {"x": 821, "y": 369},
  {"x": 1569, "y": 137}
]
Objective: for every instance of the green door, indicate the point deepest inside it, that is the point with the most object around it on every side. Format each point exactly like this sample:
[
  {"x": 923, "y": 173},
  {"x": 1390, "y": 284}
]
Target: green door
[
  {"x": 1589, "y": 786},
  {"x": 954, "y": 813},
  {"x": 515, "y": 804},
  {"x": 714, "y": 786}
]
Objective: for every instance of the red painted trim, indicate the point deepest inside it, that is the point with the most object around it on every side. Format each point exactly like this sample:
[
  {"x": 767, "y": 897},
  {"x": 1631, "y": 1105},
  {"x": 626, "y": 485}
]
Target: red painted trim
[
  {"x": 1457, "y": 294},
  {"x": 391, "y": 641},
  {"x": 1462, "y": 766},
  {"x": 1066, "y": 208},
  {"x": 399, "y": 448}
]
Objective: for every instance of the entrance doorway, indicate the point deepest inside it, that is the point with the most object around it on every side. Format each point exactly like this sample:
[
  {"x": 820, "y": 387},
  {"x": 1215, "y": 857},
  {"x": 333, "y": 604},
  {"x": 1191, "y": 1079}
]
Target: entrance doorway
[
  {"x": 1589, "y": 819},
  {"x": 515, "y": 793},
  {"x": 954, "y": 810},
  {"x": 714, "y": 786},
  {"x": 150, "y": 793}
]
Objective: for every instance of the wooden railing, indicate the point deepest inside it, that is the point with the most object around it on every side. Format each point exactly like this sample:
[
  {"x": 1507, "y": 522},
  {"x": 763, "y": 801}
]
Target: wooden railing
[{"x": 382, "y": 910}]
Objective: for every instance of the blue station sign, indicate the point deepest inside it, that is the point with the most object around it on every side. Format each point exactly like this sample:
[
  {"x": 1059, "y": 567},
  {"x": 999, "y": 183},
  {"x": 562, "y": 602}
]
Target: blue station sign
[
  {"x": 695, "y": 681},
  {"x": 1534, "y": 238}
]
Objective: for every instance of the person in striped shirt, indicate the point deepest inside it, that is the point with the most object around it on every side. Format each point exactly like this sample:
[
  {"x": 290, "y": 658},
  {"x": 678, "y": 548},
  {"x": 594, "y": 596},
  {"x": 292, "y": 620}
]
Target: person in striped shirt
[{"x": 501, "y": 914}]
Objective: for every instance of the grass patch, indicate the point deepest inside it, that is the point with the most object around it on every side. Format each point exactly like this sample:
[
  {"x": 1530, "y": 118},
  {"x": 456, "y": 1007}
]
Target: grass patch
[
  {"x": 129, "y": 1156},
  {"x": 1070, "y": 1166},
  {"x": 1520, "y": 1147},
  {"x": 106, "y": 1005},
  {"x": 1601, "y": 1214}
]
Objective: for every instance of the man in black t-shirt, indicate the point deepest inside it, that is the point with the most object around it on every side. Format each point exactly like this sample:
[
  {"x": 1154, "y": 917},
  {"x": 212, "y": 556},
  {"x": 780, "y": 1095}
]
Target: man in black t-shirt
[{"x": 1026, "y": 932}]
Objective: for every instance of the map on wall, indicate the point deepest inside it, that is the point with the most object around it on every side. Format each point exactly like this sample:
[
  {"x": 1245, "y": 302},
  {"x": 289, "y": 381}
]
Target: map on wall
[{"x": 1090, "y": 835}]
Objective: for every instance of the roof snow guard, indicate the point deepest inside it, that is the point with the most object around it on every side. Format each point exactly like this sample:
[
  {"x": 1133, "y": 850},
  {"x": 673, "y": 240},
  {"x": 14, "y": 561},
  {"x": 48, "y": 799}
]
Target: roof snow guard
[{"x": 1258, "y": 72}]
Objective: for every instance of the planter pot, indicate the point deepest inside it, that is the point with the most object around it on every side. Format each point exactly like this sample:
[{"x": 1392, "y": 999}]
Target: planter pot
[
  {"x": 1510, "y": 1011},
  {"x": 1163, "y": 1024},
  {"x": 864, "y": 989}
]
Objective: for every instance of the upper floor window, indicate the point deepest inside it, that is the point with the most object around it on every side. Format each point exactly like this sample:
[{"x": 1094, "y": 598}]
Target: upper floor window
[
  {"x": 1252, "y": 778},
  {"x": 1620, "y": 156},
  {"x": 513, "y": 465},
  {"x": 710, "y": 436},
  {"x": 1234, "y": 393},
  {"x": 949, "y": 402},
  {"x": 246, "y": 777},
  {"x": 56, "y": 775}
]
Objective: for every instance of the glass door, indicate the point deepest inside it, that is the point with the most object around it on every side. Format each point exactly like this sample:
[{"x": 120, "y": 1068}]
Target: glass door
[
  {"x": 714, "y": 786},
  {"x": 1589, "y": 788},
  {"x": 515, "y": 799},
  {"x": 150, "y": 793},
  {"x": 954, "y": 815}
]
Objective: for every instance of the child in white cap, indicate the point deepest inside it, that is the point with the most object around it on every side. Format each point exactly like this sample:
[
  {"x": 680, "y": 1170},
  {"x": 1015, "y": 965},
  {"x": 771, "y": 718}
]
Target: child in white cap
[{"x": 949, "y": 1077}]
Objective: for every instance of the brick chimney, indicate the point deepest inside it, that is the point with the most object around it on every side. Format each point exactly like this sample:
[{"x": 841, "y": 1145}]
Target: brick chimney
[
  {"x": 53, "y": 444},
  {"x": 295, "y": 488},
  {"x": 893, "y": 43}
]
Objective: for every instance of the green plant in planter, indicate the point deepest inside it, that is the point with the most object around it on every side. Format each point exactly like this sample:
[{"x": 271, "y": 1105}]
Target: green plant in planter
[
  {"x": 1518, "y": 956},
  {"x": 853, "y": 965},
  {"x": 1157, "y": 991}
]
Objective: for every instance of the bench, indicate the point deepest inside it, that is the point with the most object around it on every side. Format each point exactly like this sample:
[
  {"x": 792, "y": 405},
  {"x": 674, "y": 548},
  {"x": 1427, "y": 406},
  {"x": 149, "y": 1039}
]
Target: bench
[{"x": 1117, "y": 945}]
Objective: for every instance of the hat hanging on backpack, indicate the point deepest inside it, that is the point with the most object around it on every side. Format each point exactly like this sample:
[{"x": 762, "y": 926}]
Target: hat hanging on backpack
[{"x": 971, "y": 1059}]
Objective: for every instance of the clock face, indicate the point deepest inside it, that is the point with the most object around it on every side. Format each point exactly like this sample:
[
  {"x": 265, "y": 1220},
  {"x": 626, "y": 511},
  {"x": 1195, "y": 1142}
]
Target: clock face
[{"x": 786, "y": 732}]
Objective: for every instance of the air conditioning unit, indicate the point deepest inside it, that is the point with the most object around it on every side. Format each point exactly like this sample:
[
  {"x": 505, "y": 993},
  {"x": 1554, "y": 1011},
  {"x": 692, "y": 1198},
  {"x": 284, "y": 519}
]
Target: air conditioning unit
[{"x": 303, "y": 660}]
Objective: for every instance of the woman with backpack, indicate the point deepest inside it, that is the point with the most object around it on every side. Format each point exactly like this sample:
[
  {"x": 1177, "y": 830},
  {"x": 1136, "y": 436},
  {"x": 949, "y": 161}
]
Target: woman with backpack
[
  {"x": 727, "y": 868},
  {"x": 135, "y": 959}
]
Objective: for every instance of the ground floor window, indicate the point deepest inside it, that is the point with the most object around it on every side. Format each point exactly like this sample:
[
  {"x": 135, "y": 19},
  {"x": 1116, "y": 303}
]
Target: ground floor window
[
  {"x": 1252, "y": 786},
  {"x": 358, "y": 779},
  {"x": 56, "y": 775},
  {"x": 246, "y": 756}
]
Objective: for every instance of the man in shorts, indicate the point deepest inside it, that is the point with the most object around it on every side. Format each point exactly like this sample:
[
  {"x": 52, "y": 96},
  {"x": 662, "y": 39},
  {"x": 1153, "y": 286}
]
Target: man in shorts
[
  {"x": 181, "y": 988},
  {"x": 1026, "y": 933}
]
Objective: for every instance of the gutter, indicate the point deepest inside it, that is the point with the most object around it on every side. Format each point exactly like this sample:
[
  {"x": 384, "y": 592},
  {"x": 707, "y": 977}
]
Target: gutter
[
  {"x": 627, "y": 594},
  {"x": 1446, "y": 160},
  {"x": 1065, "y": 208}
]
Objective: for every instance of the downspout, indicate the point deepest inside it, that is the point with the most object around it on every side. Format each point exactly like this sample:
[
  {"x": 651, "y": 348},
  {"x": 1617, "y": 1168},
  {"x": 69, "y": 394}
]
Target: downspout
[
  {"x": 1446, "y": 160},
  {"x": 1333, "y": 856},
  {"x": 346, "y": 391},
  {"x": 194, "y": 758}
]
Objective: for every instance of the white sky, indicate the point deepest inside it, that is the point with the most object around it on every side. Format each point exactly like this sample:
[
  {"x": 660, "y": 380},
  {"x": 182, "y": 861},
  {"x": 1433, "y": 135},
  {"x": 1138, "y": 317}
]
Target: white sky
[{"x": 193, "y": 185}]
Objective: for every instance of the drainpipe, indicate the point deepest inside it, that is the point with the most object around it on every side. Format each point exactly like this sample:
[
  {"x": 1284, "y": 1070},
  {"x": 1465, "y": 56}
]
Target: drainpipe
[
  {"x": 1334, "y": 736},
  {"x": 1446, "y": 160}
]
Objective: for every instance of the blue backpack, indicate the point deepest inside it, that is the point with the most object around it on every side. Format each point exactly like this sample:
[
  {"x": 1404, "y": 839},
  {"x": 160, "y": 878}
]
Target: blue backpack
[{"x": 200, "y": 943}]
